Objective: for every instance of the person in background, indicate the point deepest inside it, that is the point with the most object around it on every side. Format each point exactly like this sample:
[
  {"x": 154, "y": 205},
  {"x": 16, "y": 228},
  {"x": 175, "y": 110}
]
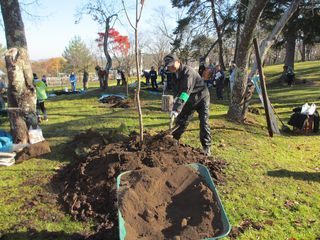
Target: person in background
[
  {"x": 147, "y": 76},
  {"x": 3, "y": 89},
  {"x": 202, "y": 68},
  {"x": 288, "y": 75},
  {"x": 118, "y": 77},
  {"x": 219, "y": 77},
  {"x": 85, "y": 80},
  {"x": 123, "y": 78},
  {"x": 153, "y": 77},
  {"x": 169, "y": 80},
  {"x": 191, "y": 94},
  {"x": 44, "y": 79},
  {"x": 73, "y": 81},
  {"x": 162, "y": 73},
  {"x": 41, "y": 97}
]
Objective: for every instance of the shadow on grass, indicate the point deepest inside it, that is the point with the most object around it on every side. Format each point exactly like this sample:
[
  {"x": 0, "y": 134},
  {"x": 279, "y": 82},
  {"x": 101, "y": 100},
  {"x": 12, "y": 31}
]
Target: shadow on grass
[
  {"x": 306, "y": 176},
  {"x": 35, "y": 235}
]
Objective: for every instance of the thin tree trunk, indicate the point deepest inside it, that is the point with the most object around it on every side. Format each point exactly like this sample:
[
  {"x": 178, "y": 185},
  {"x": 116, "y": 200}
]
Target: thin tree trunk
[
  {"x": 138, "y": 76},
  {"x": 238, "y": 94},
  {"x": 106, "y": 52},
  {"x": 218, "y": 29},
  {"x": 208, "y": 52},
  {"x": 21, "y": 93}
]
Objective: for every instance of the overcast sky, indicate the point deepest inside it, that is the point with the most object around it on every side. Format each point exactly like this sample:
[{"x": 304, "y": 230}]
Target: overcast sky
[{"x": 47, "y": 36}]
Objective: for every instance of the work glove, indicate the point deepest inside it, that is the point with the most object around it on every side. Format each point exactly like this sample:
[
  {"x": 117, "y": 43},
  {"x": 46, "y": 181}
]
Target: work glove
[{"x": 174, "y": 114}]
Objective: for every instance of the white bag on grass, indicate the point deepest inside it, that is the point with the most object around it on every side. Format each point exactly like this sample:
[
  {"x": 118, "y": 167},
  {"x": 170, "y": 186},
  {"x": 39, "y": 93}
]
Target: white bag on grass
[
  {"x": 308, "y": 109},
  {"x": 35, "y": 135}
]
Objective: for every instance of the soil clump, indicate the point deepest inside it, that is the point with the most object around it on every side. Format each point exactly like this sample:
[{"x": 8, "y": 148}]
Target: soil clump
[
  {"x": 116, "y": 101},
  {"x": 87, "y": 186},
  {"x": 168, "y": 203}
]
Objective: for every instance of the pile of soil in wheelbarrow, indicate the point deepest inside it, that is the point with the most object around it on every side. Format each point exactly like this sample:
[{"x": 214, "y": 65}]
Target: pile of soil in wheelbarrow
[
  {"x": 172, "y": 203},
  {"x": 87, "y": 186}
]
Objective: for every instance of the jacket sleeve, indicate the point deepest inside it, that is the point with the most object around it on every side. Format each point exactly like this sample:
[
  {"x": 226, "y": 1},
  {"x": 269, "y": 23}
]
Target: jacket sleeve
[{"x": 187, "y": 84}]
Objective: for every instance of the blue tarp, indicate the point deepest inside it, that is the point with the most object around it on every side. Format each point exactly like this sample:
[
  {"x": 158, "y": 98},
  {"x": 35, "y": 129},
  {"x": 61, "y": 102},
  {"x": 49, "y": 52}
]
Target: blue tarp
[{"x": 5, "y": 142}]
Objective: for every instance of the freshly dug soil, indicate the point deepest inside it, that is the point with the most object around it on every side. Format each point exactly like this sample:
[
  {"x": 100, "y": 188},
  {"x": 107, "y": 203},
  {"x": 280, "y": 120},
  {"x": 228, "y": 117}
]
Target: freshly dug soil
[
  {"x": 123, "y": 104},
  {"x": 166, "y": 204},
  {"x": 87, "y": 186},
  {"x": 117, "y": 102},
  {"x": 111, "y": 99}
]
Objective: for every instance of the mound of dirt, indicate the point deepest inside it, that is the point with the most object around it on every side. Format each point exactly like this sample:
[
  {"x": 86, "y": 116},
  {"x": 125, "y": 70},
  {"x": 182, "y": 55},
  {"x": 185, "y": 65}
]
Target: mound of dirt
[
  {"x": 123, "y": 104},
  {"x": 111, "y": 99},
  {"x": 87, "y": 186},
  {"x": 166, "y": 204},
  {"x": 117, "y": 101}
]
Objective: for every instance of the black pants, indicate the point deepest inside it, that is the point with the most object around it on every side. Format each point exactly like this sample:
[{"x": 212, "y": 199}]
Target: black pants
[
  {"x": 219, "y": 90},
  {"x": 290, "y": 80},
  {"x": 154, "y": 83},
  {"x": 200, "y": 103},
  {"x": 118, "y": 82},
  {"x": 40, "y": 106}
]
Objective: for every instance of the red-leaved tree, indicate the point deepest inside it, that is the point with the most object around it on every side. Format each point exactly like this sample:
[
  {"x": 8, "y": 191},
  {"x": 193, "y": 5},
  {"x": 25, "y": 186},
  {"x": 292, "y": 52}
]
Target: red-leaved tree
[{"x": 118, "y": 44}]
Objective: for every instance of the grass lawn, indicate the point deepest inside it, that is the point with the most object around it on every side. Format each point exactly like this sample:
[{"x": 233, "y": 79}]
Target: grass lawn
[{"x": 272, "y": 181}]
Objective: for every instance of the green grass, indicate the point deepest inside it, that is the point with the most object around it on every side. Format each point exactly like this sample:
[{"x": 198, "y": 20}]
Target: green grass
[{"x": 263, "y": 173}]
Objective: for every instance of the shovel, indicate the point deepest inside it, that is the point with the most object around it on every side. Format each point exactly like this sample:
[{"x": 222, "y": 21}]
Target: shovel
[{"x": 170, "y": 130}]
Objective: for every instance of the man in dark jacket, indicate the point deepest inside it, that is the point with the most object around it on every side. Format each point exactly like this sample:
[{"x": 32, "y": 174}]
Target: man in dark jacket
[
  {"x": 191, "y": 94},
  {"x": 219, "y": 77},
  {"x": 153, "y": 77}
]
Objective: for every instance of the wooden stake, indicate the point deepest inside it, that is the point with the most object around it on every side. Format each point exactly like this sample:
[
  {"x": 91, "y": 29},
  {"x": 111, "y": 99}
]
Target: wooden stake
[{"x": 263, "y": 87}]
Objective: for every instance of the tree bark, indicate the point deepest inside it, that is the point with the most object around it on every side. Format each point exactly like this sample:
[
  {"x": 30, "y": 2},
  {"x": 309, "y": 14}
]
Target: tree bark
[
  {"x": 106, "y": 52},
  {"x": 240, "y": 8},
  {"x": 21, "y": 93},
  {"x": 253, "y": 14},
  {"x": 218, "y": 29},
  {"x": 290, "y": 48},
  {"x": 303, "y": 51},
  {"x": 269, "y": 40},
  {"x": 138, "y": 75}
]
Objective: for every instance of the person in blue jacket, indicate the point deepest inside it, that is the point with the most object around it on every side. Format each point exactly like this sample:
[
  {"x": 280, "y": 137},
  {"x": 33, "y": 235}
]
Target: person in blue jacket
[{"x": 73, "y": 81}]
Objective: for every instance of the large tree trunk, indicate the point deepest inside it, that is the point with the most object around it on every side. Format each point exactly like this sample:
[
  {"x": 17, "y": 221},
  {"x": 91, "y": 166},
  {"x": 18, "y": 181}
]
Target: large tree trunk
[
  {"x": 240, "y": 9},
  {"x": 238, "y": 94},
  {"x": 218, "y": 29},
  {"x": 290, "y": 48},
  {"x": 303, "y": 51},
  {"x": 21, "y": 93},
  {"x": 269, "y": 40}
]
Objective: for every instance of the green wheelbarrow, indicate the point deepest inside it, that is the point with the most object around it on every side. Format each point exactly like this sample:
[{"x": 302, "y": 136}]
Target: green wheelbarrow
[{"x": 202, "y": 171}]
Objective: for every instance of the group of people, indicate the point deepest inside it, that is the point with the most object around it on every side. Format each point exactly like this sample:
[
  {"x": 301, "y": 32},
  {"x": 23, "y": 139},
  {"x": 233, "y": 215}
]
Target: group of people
[
  {"x": 73, "y": 80},
  {"x": 152, "y": 75},
  {"x": 214, "y": 76}
]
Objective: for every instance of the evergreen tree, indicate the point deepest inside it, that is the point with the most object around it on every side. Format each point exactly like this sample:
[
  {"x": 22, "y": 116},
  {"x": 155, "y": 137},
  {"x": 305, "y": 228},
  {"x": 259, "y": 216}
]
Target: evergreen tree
[{"x": 78, "y": 55}]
